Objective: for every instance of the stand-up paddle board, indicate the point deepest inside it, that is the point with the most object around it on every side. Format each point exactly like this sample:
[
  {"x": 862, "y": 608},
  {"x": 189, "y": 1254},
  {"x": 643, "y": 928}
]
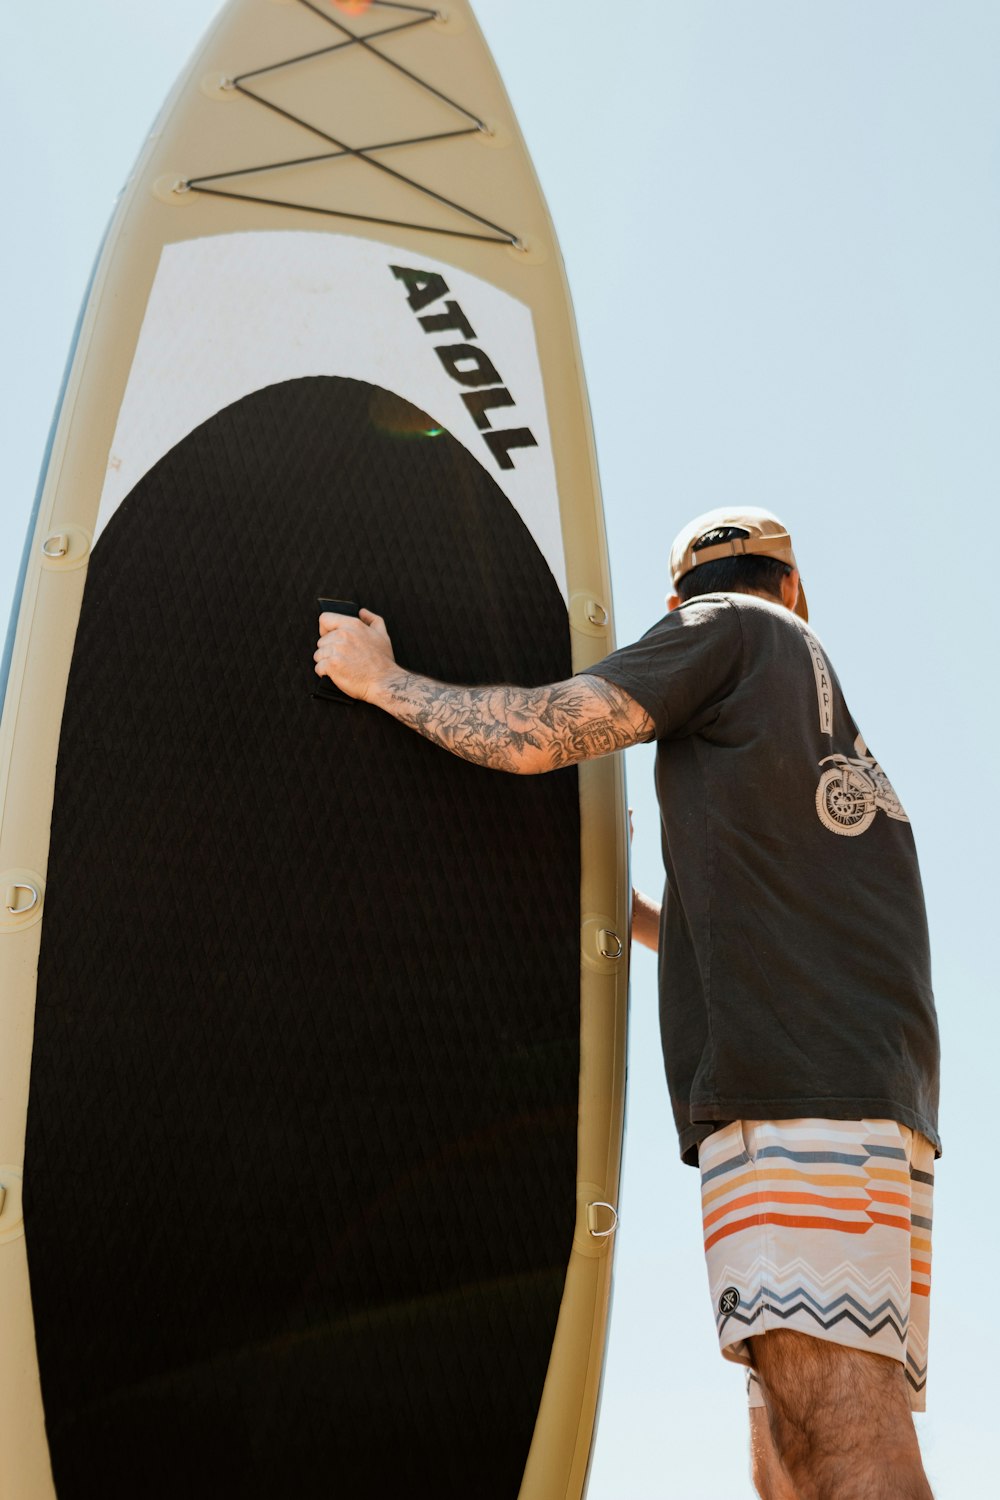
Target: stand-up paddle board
[{"x": 313, "y": 1036}]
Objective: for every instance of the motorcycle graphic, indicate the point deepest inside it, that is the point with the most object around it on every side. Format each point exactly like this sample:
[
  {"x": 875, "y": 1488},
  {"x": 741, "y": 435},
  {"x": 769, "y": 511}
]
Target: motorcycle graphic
[{"x": 852, "y": 790}]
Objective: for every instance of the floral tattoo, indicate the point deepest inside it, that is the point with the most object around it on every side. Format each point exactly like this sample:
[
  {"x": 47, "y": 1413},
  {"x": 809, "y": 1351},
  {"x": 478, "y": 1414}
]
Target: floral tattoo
[{"x": 521, "y": 729}]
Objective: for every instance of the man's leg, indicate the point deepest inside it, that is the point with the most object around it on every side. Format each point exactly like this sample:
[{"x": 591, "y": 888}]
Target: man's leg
[
  {"x": 770, "y": 1477},
  {"x": 804, "y": 1218},
  {"x": 839, "y": 1419}
]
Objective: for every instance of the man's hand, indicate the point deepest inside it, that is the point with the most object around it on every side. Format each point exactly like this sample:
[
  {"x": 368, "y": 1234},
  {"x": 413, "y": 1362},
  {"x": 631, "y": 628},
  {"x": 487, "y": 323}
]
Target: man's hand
[{"x": 354, "y": 654}]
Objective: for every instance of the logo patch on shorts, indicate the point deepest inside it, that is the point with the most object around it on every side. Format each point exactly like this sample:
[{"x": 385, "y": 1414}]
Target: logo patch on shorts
[{"x": 729, "y": 1301}]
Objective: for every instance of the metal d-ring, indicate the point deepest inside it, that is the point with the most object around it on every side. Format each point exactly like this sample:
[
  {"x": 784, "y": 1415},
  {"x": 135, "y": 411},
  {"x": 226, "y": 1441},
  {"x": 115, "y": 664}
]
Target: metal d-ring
[
  {"x": 12, "y": 906},
  {"x": 604, "y": 1234},
  {"x": 609, "y": 944},
  {"x": 60, "y": 548}
]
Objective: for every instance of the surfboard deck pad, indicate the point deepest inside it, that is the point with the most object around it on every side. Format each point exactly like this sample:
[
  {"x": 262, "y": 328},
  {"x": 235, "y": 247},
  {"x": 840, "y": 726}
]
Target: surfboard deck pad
[{"x": 302, "y": 1131}]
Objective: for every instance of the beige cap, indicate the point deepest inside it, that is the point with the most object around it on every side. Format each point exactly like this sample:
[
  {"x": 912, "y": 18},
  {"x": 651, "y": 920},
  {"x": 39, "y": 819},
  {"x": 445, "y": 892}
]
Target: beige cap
[{"x": 740, "y": 532}]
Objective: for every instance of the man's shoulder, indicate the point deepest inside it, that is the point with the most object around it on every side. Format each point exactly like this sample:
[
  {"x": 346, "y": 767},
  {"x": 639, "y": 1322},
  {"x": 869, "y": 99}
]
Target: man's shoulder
[
  {"x": 704, "y": 609},
  {"x": 761, "y": 629},
  {"x": 746, "y": 612}
]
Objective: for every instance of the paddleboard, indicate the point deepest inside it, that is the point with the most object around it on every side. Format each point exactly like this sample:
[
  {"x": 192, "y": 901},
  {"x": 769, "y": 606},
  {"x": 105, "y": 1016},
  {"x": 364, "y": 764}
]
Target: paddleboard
[{"x": 312, "y": 1048}]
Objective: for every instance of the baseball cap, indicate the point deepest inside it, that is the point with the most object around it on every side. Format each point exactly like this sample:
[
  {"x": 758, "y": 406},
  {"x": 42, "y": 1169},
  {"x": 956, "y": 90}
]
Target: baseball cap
[{"x": 733, "y": 533}]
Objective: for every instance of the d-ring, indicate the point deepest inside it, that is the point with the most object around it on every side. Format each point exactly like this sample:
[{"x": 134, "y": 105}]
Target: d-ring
[
  {"x": 609, "y": 944},
  {"x": 12, "y": 906},
  {"x": 603, "y": 1234}
]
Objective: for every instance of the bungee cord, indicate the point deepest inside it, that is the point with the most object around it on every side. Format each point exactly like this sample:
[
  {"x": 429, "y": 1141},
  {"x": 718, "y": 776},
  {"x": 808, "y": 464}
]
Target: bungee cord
[{"x": 211, "y": 183}]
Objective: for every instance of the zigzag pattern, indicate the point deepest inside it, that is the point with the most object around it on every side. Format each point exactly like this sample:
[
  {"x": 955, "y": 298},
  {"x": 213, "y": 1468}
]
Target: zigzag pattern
[
  {"x": 845, "y": 1275},
  {"x": 781, "y": 1199},
  {"x": 916, "y": 1374},
  {"x": 868, "y": 1303}
]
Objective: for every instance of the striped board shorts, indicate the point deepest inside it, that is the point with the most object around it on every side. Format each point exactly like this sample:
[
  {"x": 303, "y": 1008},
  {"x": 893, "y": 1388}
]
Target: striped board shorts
[{"x": 823, "y": 1226}]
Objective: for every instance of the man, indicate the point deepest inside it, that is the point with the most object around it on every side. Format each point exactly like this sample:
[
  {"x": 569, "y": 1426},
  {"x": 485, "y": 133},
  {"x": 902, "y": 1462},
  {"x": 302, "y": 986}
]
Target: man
[{"x": 797, "y": 1017}]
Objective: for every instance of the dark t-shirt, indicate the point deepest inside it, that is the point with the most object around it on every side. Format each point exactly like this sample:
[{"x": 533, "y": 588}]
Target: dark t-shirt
[{"x": 794, "y": 961}]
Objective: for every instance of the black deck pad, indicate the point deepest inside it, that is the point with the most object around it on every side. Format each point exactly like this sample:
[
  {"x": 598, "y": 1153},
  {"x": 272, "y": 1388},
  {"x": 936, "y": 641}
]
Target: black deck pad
[{"x": 300, "y": 1175}]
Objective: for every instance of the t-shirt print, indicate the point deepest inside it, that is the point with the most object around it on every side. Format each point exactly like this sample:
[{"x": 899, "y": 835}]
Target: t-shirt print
[{"x": 852, "y": 789}]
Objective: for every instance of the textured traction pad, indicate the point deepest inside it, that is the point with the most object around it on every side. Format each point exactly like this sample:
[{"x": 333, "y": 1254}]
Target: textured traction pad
[{"x": 300, "y": 1182}]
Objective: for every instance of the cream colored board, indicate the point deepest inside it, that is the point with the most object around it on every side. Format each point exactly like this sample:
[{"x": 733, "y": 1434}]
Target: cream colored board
[{"x": 207, "y": 127}]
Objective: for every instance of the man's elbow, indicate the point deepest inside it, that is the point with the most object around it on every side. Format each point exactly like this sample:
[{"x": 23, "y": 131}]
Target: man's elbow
[{"x": 531, "y": 760}]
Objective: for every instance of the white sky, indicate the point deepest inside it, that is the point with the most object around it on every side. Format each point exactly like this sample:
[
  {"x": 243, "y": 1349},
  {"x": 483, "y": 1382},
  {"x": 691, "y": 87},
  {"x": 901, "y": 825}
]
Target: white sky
[{"x": 781, "y": 222}]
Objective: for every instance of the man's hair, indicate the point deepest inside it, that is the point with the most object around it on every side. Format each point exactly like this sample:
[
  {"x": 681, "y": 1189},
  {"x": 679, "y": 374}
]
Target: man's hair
[{"x": 734, "y": 575}]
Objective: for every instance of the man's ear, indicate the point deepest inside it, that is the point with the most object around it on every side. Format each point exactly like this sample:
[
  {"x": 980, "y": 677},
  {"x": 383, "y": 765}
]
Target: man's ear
[
  {"x": 673, "y": 601},
  {"x": 790, "y": 589}
]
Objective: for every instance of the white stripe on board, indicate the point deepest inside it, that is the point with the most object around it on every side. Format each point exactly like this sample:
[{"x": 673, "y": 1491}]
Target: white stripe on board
[{"x": 231, "y": 314}]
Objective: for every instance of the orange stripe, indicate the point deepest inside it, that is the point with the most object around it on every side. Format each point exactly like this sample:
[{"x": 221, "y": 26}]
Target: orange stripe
[
  {"x": 785, "y": 1174},
  {"x": 920, "y": 1265},
  {"x": 921, "y": 1245},
  {"x": 901, "y": 1198},
  {"x": 728, "y": 1187},
  {"x": 920, "y": 1291},
  {"x": 788, "y": 1222},
  {"x": 887, "y": 1174},
  {"x": 822, "y": 1179},
  {"x": 889, "y": 1220},
  {"x": 856, "y": 1204}
]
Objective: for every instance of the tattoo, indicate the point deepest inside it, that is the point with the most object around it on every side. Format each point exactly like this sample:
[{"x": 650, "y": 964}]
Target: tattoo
[{"x": 521, "y": 729}]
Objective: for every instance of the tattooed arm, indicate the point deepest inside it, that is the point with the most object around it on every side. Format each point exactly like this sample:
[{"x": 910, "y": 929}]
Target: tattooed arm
[{"x": 524, "y": 730}]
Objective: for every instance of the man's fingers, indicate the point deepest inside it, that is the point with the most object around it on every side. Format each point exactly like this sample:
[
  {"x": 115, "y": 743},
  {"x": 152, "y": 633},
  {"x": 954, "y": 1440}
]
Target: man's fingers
[
  {"x": 329, "y": 621},
  {"x": 324, "y": 660},
  {"x": 376, "y": 625},
  {"x": 374, "y": 622},
  {"x": 330, "y": 624}
]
